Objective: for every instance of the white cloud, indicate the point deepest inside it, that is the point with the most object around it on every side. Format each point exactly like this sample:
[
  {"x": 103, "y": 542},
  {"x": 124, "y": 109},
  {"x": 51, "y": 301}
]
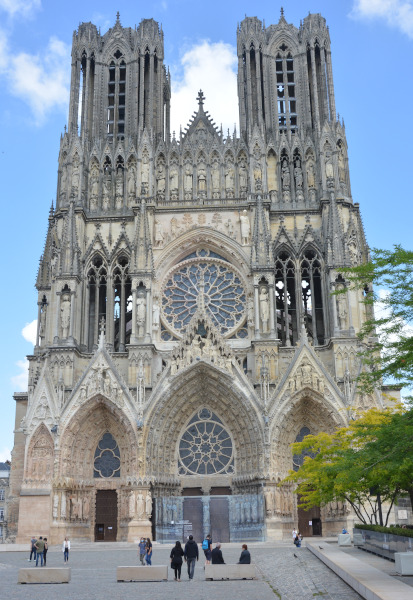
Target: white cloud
[
  {"x": 212, "y": 68},
  {"x": 20, "y": 380},
  {"x": 5, "y": 454},
  {"x": 41, "y": 80},
  {"x": 396, "y": 13},
  {"x": 23, "y": 8},
  {"x": 29, "y": 332}
]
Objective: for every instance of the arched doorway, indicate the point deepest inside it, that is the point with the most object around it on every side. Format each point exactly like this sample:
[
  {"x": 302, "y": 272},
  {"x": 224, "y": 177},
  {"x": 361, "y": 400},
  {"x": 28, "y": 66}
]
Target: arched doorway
[{"x": 203, "y": 434}]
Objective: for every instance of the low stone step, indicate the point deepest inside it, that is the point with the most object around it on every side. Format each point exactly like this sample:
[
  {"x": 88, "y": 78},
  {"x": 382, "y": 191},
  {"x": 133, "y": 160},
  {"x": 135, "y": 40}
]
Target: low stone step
[{"x": 230, "y": 572}]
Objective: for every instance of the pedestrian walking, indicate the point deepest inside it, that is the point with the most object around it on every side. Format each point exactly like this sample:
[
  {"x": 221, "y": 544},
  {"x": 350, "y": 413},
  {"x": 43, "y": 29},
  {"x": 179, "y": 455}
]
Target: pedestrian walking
[
  {"x": 191, "y": 555},
  {"x": 148, "y": 555},
  {"x": 39, "y": 551},
  {"x": 32, "y": 548},
  {"x": 294, "y": 534},
  {"x": 298, "y": 539},
  {"x": 176, "y": 560},
  {"x": 216, "y": 555},
  {"x": 45, "y": 549},
  {"x": 65, "y": 549},
  {"x": 245, "y": 558},
  {"x": 142, "y": 551},
  {"x": 207, "y": 548}
]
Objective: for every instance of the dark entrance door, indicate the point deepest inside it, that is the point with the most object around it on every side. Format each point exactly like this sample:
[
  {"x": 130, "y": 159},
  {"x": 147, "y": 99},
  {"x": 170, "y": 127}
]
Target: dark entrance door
[
  {"x": 193, "y": 514},
  {"x": 219, "y": 515},
  {"x": 106, "y": 527},
  {"x": 305, "y": 517}
]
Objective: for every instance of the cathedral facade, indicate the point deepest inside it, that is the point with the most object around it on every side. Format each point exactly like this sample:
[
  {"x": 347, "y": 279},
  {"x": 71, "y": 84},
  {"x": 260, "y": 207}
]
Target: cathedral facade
[{"x": 187, "y": 331}]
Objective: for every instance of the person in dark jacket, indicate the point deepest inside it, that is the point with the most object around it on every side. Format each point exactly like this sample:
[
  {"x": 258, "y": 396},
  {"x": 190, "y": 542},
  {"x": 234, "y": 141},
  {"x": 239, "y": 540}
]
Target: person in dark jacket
[
  {"x": 45, "y": 550},
  {"x": 176, "y": 560},
  {"x": 245, "y": 558},
  {"x": 191, "y": 555},
  {"x": 217, "y": 558}
]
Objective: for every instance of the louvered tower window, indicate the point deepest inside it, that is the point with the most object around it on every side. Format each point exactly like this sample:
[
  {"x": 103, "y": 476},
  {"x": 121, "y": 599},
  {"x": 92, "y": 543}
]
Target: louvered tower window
[
  {"x": 286, "y": 99},
  {"x": 116, "y": 97}
]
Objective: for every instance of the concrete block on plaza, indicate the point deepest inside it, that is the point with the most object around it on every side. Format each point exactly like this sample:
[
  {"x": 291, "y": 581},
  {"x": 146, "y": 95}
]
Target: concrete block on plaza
[
  {"x": 44, "y": 575},
  {"x": 344, "y": 539},
  {"x": 151, "y": 573},
  {"x": 358, "y": 539},
  {"x": 404, "y": 563},
  {"x": 230, "y": 572}
]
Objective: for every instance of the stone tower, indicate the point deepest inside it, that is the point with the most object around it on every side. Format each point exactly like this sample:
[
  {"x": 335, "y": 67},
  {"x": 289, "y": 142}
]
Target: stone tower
[{"x": 186, "y": 330}]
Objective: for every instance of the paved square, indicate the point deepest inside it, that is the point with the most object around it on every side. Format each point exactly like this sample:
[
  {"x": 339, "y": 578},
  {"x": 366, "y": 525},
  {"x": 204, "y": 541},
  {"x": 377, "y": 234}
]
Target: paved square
[{"x": 285, "y": 572}]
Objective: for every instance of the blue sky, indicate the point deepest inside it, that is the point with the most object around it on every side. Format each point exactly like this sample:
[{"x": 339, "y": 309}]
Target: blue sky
[{"x": 372, "y": 49}]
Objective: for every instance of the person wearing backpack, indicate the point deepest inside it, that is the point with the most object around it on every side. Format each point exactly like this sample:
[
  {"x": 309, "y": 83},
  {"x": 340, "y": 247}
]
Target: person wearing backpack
[{"x": 207, "y": 548}]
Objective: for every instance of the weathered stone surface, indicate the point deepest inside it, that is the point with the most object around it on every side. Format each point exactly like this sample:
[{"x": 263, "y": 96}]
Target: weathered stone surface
[
  {"x": 230, "y": 572},
  {"x": 404, "y": 563},
  {"x": 44, "y": 575},
  {"x": 151, "y": 573}
]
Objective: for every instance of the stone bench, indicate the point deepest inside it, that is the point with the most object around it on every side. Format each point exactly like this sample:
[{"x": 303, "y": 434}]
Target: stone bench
[
  {"x": 44, "y": 575},
  {"x": 230, "y": 572},
  {"x": 404, "y": 563},
  {"x": 151, "y": 573}
]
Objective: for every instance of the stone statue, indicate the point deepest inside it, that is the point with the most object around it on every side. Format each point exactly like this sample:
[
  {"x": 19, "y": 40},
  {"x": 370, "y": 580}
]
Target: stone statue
[
  {"x": 131, "y": 182},
  {"x": 158, "y": 234},
  {"x": 160, "y": 177},
  {"x": 229, "y": 177},
  {"x": 298, "y": 174},
  {"x": 55, "y": 506},
  {"x": 202, "y": 187},
  {"x": 148, "y": 505},
  {"x": 119, "y": 189},
  {"x": 86, "y": 507},
  {"x": 139, "y": 506},
  {"x": 155, "y": 314},
  {"x": 264, "y": 308},
  {"x": 215, "y": 179},
  {"x": 243, "y": 175},
  {"x": 310, "y": 174},
  {"x": 257, "y": 171},
  {"x": 107, "y": 190},
  {"x": 140, "y": 315},
  {"x": 245, "y": 228},
  {"x": 63, "y": 506},
  {"x": 188, "y": 180},
  {"x": 145, "y": 172},
  {"x": 342, "y": 310},
  {"x": 329, "y": 169},
  {"x": 65, "y": 315},
  {"x": 173, "y": 179},
  {"x": 285, "y": 176},
  {"x": 42, "y": 324}
]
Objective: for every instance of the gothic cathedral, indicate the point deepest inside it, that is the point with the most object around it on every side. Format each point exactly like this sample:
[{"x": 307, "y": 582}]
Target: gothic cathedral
[{"x": 187, "y": 334}]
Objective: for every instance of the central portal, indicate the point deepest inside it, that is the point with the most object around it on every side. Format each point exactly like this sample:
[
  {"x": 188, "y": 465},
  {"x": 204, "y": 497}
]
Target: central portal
[{"x": 106, "y": 527}]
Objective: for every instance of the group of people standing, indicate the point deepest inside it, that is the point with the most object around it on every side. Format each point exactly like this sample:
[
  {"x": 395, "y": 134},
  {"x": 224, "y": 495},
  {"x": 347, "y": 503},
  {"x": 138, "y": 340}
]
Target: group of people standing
[
  {"x": 145, "y": 551},
  {"x": 39, "y": 548},
  {"x": 190, "y": 554}
]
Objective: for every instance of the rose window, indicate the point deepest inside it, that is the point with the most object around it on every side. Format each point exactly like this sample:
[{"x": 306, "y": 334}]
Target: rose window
[
  {"x": 205, "y": 447},
  {"x": 107, "y": 458},
  {"x": 204, "y": 282}
]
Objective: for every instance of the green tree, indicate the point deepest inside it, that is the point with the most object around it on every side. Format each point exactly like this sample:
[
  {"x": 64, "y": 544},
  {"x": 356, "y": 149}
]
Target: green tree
[
  {"x": 386, "y": 282},
  {"x": 370, "y": 459}
]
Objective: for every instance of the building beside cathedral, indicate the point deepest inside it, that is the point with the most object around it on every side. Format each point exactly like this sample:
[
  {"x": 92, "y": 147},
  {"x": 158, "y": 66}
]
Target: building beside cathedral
[{"x": 187, "y": 334}]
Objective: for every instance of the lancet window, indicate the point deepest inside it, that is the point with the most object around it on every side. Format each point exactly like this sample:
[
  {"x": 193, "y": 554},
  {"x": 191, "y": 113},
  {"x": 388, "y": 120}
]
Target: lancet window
[
  {"x": 286, "y": 95},
  {"x": 299, "y": 295},
  {"x": 122, "y": 304},
  {"x": 298, "y": 459},
  {"x": 96, "y": 299},
  {"x": 116, "y": 97}
]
